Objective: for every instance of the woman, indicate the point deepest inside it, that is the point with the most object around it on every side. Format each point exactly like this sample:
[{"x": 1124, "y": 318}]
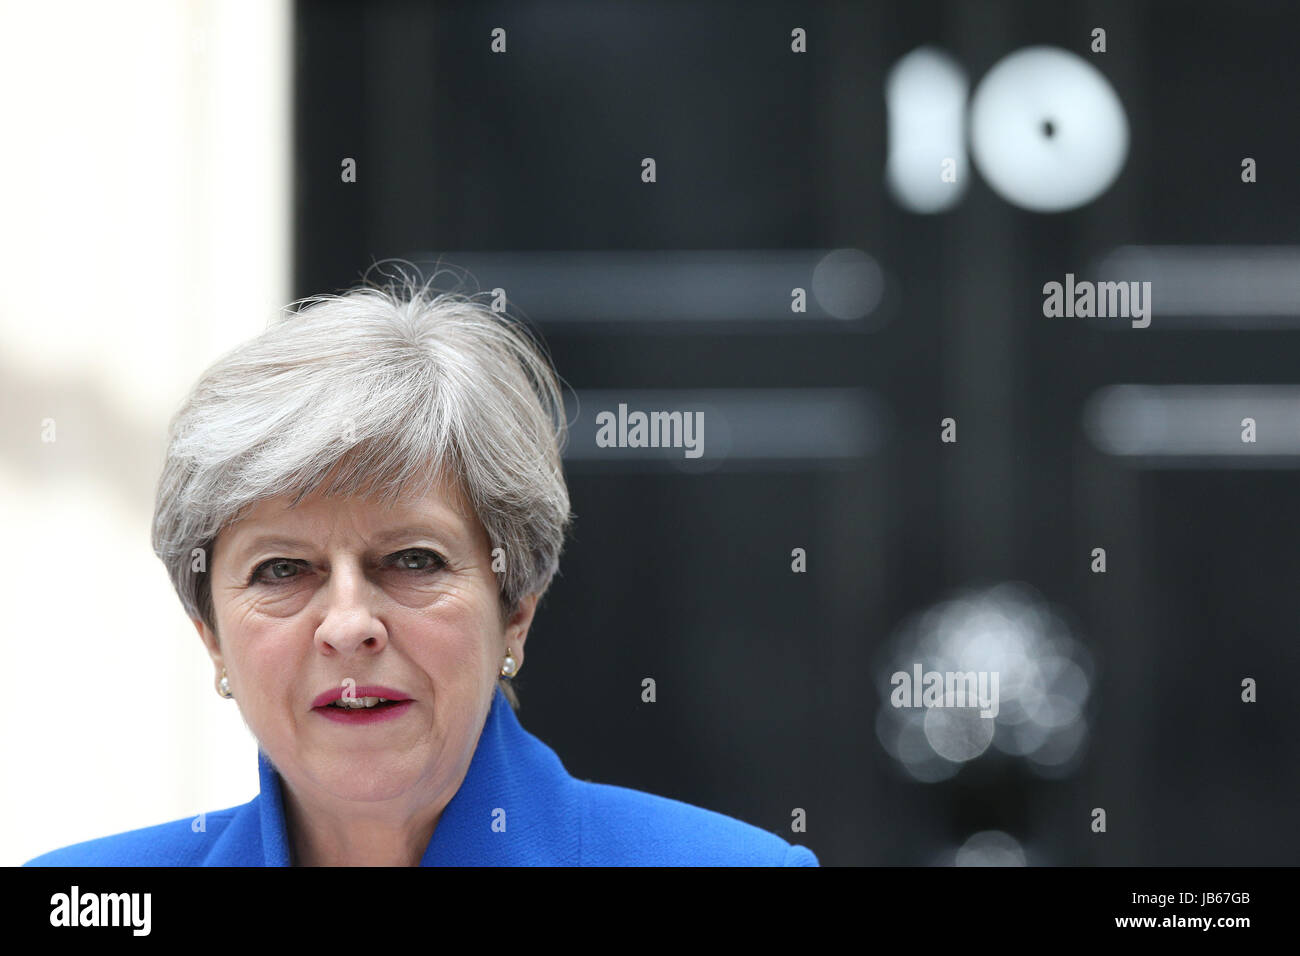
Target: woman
[{"x": 359, "y": 511}]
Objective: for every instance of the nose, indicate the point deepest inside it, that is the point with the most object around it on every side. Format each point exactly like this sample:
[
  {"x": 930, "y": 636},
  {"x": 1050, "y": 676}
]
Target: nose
[{"x": 350, "y": 622}]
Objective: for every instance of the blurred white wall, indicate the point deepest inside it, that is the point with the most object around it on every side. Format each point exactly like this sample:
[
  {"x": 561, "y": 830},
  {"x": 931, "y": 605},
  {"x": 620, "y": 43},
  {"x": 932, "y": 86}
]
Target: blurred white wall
[{"x": 144, "y": 230}]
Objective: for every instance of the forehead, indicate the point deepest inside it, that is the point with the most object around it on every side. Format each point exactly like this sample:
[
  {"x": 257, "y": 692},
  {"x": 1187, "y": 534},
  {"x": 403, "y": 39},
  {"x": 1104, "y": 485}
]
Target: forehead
[{"x": 440, "y": 512}]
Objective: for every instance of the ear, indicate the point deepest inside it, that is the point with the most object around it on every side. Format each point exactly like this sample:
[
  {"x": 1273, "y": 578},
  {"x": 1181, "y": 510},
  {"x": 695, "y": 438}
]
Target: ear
[
  {"x": 517, "y": 626},
  {"x": 211, "y": 644}
]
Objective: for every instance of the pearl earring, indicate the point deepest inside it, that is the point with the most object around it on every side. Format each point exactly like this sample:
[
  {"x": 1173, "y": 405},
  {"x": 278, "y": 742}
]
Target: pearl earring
[
  {"x": 223, "y": 685},
  {"x": 509, "y": 666}
]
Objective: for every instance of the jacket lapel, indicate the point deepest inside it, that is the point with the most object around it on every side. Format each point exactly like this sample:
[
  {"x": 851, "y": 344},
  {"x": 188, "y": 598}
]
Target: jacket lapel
[
  {"x": 518, "y": 806},
  {"x": 257, "y": 835}
]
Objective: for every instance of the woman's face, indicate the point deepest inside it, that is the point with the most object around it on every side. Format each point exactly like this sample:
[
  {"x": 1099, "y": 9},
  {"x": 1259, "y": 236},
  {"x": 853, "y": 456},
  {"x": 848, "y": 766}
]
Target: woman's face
[{"x": 345, "y": 593}]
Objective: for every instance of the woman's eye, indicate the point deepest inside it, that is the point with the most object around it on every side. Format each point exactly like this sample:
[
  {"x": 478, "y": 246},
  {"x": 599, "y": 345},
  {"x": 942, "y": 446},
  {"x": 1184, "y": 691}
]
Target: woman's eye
[
  {"x": 418, "y": 560},
  {"x": 277, "y": 569}
]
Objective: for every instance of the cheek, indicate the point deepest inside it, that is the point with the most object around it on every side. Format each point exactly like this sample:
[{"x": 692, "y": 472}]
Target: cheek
[
  {"x": 244, "y": 610},
  {"x": 275, "y": 601},
  {"x": 266, "y": 655},
  {"x": 457, "y": 641},
  {"x": 455, "y": 644}
]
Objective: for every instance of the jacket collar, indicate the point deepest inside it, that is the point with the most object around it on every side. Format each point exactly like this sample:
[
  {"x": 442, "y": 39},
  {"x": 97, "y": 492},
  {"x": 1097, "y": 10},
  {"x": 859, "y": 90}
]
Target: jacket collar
[{"x": 516, "y": 806}]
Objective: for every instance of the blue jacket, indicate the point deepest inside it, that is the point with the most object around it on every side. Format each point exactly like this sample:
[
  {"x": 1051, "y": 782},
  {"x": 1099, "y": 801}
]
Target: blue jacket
[{"x": 551, "y": 819}]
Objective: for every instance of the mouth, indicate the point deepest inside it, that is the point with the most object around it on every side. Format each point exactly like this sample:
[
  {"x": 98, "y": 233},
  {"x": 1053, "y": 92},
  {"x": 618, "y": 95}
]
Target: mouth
[
  {"x": 362, "y": 714},
  {"x": 350, "y": 696},
  {"x": 361, "y": 705}
]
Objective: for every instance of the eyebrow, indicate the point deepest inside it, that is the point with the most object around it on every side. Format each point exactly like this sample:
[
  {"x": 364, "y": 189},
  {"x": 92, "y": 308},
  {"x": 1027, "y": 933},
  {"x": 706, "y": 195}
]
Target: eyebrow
[{"x": 274, "y": 542}]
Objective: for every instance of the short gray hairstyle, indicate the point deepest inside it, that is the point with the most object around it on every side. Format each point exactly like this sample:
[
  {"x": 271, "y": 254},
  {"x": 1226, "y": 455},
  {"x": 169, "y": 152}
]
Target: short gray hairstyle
[{"x": 392, "y": 389}]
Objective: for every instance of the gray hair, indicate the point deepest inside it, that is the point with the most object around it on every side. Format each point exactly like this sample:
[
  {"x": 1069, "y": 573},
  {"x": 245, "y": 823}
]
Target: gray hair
[{"x": 392, "y": 390}]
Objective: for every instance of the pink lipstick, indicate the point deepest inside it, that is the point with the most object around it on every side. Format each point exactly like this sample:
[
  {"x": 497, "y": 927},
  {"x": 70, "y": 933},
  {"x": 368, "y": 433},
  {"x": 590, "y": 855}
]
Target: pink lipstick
[{"x": 370, "y": 704}]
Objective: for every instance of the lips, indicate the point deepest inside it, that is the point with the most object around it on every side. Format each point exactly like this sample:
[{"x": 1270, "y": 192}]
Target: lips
[
  {"x": 364, "y": 716},
  {"x": 369, "y": 690}
]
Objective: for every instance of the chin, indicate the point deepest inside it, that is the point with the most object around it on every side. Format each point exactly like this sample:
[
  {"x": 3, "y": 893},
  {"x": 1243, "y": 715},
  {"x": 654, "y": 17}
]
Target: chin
[{"x": 365, "y": 777}]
